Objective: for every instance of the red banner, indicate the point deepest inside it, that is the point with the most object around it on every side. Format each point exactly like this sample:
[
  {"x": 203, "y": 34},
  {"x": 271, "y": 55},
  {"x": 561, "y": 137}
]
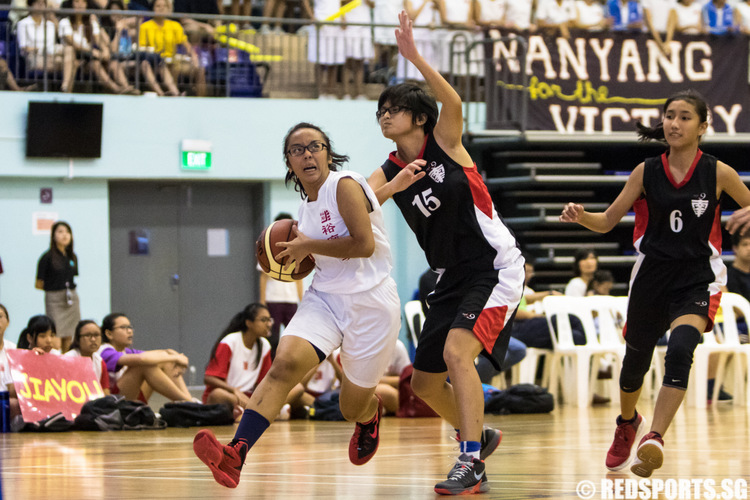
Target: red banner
[{"x": 47, "y": 384}]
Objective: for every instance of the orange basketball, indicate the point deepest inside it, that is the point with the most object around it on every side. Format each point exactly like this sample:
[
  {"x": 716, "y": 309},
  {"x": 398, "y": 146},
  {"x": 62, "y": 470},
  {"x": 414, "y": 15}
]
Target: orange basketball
[{"x": 266, "y": 251}]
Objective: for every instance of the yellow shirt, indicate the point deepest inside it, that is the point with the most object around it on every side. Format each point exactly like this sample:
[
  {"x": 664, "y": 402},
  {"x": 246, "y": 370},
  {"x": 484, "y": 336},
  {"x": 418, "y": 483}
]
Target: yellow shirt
[{"x": 164, "y": 39}]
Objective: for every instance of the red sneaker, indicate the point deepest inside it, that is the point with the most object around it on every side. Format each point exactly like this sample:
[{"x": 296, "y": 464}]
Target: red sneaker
[
  {"x": 650, "y": 455},
  {"x": 621, "y": 452},
  {"x": 225, "y": 462},
  {"x": 366, "y": 437}
]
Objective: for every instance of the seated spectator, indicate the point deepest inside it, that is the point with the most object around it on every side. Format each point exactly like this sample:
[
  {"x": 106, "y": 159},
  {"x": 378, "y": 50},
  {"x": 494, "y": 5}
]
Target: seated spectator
[
  {"x": 585, "y": 264},
  {"x": 718, "y": 17},
  {"x": 555, "y": 17},
  {"x": 601, "y": 283},
  {"x": 742, "y": 16},
  {"x": 488, "y": 14},
  {"x": 272, "y": 8},
  {"x": 240, "y": 357},
  {"x": 40, "y": 335},
  {"x": 197, "y": 30},
  {"x": 8, "y": 81},
  {"x": 590, "y": 16},
  {"x": 625, "y": 15},
  {"x": 656, "y": 15},
  {"x": 358, "y": 48},
  {"x": 118, "y": 33},
  {"x": 738, "y": 275},
  {"x": 84, "y": 46},
  {"x": 5, "y": 376},
  {"x": 166, "y": 37},
  {"x": 37, "y": 39},
  {"x": 518, "y": 15},
  {"x": 129, "y": 368},
  {"x": 385, "y": 13},
  {"x": 87, "y": 340},
  {"x": 687, "y": 17},
  {"x": 387, "y": 388},
  {"x": 327, "y": 47}
]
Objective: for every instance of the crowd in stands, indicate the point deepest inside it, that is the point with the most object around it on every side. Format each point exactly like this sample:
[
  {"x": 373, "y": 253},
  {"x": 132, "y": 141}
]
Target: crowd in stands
[{"x": 127, "y": 52}]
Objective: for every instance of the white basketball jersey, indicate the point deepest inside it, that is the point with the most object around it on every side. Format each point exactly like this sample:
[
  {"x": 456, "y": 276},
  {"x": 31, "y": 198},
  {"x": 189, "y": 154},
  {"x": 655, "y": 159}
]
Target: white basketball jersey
[{"x": 321, "y": 220}]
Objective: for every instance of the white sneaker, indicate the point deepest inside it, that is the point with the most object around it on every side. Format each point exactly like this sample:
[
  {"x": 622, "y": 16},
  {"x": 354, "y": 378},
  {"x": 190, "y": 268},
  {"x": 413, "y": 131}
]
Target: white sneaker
[{"x": 285, "y": 413}]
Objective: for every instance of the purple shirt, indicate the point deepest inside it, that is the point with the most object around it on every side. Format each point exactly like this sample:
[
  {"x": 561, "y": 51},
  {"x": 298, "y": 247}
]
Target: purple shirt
[{"x": 111, "y": 357}]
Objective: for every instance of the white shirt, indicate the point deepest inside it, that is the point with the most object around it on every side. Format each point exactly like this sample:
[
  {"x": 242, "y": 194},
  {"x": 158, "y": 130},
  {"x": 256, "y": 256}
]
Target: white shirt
[
  {"x": 386, "y": 12},
  {"x": 590, "y": 15},
  {"x": 32, "y": 35},
  {"x": 576, "y": 288},
  {"x": 5, "y": 376},
  {"x": 280, "y": 291},
  {"x": 320, "y": 219},
  {"x": 552, "y": 12},
  {"x": 457, "y": 11},
  {"x": 743, "y": 9},
  {"x": 518, "y": 13},
  {"x": 491, "y": 11},
  {"x": 688, "y": 15},
  {"x": 65, "y": 28},
  {"x": 400, "y": 359},
  {"x": 245, "y": 364},
  {"x": 659, "y": 10}
]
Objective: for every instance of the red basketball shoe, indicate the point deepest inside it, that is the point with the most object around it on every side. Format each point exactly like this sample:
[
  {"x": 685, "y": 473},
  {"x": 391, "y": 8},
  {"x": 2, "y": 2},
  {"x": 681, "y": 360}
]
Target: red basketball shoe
[
  {"x": 225, "y": 461},
  {"x": 366, "y": 437}
]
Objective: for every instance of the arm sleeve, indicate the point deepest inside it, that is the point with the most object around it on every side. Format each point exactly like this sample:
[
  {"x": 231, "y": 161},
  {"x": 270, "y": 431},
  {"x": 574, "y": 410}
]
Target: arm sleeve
[
  {"x": 218, "y": 366},
  {"x": 110, "y": 357}
]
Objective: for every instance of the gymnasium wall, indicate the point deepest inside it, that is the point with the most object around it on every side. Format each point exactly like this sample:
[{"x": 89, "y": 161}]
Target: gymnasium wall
[{"x": 141, "y": 140}]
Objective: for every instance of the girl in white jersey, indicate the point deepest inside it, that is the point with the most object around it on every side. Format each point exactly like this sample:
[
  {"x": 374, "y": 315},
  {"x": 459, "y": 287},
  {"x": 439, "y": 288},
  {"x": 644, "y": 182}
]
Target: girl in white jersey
[{"x": 352, "y": 303}]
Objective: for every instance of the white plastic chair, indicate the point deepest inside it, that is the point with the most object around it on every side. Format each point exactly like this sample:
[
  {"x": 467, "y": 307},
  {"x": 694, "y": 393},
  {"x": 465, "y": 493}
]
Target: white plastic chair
[
  {"x": 697, "y": 393},
  {"x": 577, "y": 384},
  {"x": 731, "y": 339}
]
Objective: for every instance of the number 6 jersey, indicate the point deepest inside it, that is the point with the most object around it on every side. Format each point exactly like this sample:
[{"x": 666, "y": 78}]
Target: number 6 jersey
[
  {"x": 451, "y": 213},
  {"x": 678, "y": 220}
]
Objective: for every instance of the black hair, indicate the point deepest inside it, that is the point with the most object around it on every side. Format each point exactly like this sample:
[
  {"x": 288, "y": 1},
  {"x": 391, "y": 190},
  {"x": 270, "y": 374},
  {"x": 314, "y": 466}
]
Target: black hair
[
  {"x": 238, "y": 324},
  {"x": 283, "y": 216},
  {"x": 37, "y": 324},
  {"x": 578, "y": 256},
  {"x": 736, "y": 240},
  {"x": 600, "y": 276},
  {"x": 415, "y": 99},
  {"x": 336, "y": 159},
  {"x": 5, "y": 310},
  {"x": 690, "y": 96},
  {"x": 108, "y": 323},
  {"x": 56, "y": 255},
  {"x": 88, "y": 29},
  {"x": 528, "y": 258},
  {"x": 76, "y": 343}
]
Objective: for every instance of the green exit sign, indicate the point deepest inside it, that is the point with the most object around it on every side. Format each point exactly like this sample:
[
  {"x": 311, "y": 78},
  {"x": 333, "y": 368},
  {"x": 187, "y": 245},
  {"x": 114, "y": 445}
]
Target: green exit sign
[{"x": 196, "y": 160}]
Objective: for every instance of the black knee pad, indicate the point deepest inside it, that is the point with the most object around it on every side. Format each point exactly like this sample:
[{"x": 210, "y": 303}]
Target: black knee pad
[
  {"x": 682, "y": 343},
  {"x": 635, "y": 365}
]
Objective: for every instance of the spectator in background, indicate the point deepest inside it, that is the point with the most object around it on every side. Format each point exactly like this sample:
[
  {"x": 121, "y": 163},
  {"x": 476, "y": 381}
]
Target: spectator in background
[
  {"x": 487, "y": 13},
  {"x": 426, "y": 16},
  {"x": 166, "y": 37},
  {"x": 601, "y": 283},
  {"x": 590, "y": 16},
  {"x": 384, "y": 12},
  {"x": 518, "y": 15},
  {"x": 742, "y": 16},
  {"x": 55, "y": 274},
  {"x": 358, "y": 48},
  {"x": 273, "y": 8},
  {"x": 718, "y": 17},
  {"x": 656, "y": 15},
  {"x": 84, "y": 46},
  {"x": 625, "y": 15},
  {"x": 326, "y": 48},
  {"x": 129, "y": 368},
  {"x": 37, "y": 39},
  {"x": 687, "y": 17},
  {"x": 39, "y": 335},
  {"x": 118, "y": 32},
  {"x": 196, "y": 30},
  {"x": 738, "y": 275},
  {"x": 7, "y": 80},
  {"x": 281, "y": 298},
  {"x": 5, "y": 376},
  {"x": 86, "y": 343},
  {"x": 585, "y": 264},
  {"x": 555, "y": 17}
]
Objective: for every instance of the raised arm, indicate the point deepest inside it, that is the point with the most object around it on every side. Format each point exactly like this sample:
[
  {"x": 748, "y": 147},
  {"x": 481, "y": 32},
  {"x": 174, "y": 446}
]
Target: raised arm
[{"x": 604, "y": 221}]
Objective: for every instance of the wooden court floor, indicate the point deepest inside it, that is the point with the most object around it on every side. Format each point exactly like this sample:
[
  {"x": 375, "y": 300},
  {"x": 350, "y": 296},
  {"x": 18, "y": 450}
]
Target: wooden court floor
[{"x": 541, "y": 456}]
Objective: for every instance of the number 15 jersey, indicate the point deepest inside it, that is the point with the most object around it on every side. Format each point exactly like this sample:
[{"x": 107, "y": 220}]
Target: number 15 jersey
[{"x": 451, "y": 213}]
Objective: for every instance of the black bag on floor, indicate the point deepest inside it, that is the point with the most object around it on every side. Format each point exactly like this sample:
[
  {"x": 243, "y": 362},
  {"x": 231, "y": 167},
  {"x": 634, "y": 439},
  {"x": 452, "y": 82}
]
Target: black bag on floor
[
  {"x": 101, "y": 414},
  {"x": 189, "y": 414},
  {"x": 520, "y": 398},
  {"x": 137, "y": 415},
  {"x": 53, "y": 423},
  {"x": 326, "y": 407}
]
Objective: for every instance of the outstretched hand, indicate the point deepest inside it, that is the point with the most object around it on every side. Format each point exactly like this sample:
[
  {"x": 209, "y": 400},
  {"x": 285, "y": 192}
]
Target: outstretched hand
[
  {"x": 739, "y": 221},
  {"x": 405, "y": 37},
  {"x": 571, "y": 213},
  {"x": 410, "y": 174}
]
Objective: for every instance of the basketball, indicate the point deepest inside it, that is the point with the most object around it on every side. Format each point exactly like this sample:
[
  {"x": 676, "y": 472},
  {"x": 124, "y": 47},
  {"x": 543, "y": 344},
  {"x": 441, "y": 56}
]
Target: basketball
[{"x": 266, "y": 251}]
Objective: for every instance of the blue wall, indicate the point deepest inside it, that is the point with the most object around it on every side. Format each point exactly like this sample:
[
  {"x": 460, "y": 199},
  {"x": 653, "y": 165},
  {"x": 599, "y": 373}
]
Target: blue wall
[{"x": 141, "y": 140}]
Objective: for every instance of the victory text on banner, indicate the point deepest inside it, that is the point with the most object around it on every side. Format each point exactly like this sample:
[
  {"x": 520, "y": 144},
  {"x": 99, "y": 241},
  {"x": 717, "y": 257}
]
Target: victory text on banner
[
  {"x": 605, "y": 82},
  {"x": 47, "y": 383}
]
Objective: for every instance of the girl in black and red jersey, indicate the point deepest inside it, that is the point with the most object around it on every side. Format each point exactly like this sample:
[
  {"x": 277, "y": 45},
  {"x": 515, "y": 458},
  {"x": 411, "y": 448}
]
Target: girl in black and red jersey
[
  {"x": 436, "y": 185},
  {"x": 675, "y": 283}
]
